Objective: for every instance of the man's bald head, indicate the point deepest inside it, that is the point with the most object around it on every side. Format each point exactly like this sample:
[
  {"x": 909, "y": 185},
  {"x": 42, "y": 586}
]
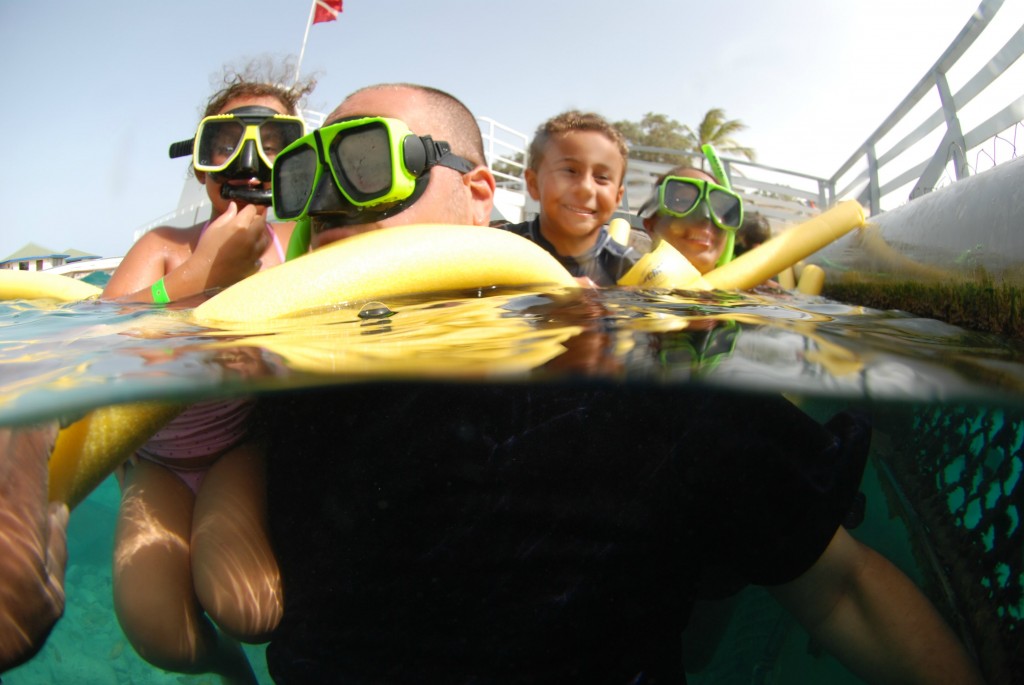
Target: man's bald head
[{"x": 440, "y": 115}]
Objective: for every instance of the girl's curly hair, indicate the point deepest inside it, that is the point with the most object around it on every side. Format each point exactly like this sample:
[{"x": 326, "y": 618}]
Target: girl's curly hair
[{"x": 262, "y": 76}]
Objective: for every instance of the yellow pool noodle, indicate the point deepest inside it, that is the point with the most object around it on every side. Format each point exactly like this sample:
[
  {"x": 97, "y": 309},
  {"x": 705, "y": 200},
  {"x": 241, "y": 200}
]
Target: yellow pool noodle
[
  {"x": 379, "y": 264},
  {"x": 39, "y": 285},
  {"x": 90, "y": 449},
  {"x": 664, "y": 267},
  {"x": 812, "y": 280},
  {"x": 787, "y": 279},
  {"x": 618, "y": 230},
  {"x": 774, "y": 255},
  {"x": 399, "y": 260}
]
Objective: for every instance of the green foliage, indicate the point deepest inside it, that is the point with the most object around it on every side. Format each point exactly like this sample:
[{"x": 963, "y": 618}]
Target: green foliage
[
  {"x": 515, "y": 170},
  {"x": 677, "y": 143},
  {"x": 659, "y": 131}
]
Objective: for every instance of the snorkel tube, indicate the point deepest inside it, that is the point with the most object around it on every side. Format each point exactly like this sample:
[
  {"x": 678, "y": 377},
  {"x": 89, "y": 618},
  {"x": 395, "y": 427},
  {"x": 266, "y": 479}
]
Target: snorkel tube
[
  {"x": 252, "y": 196},
  {"x": 718, "y": 171},
  {"x": 247, "y": 166},
  {"x": 298, "y": 245}
]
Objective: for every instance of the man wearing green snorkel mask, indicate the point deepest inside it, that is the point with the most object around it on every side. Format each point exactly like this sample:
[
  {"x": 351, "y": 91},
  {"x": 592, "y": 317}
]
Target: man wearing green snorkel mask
[
  {"x": 513, "y": 533},
  {"x": 365, "y": 171}
]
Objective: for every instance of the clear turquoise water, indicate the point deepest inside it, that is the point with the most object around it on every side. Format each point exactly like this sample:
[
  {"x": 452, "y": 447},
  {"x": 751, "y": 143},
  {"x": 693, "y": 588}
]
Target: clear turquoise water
[{"x": 943, "y": 489}]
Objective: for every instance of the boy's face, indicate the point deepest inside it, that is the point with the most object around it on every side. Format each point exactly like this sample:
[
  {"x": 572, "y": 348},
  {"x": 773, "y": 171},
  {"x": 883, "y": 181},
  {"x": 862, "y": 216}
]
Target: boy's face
[{"x": 578, "y": 184}]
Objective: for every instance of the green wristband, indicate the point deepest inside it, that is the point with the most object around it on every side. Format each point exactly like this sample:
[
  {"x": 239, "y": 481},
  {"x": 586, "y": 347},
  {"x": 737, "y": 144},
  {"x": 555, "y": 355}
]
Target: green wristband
[{"x": 159, "y": 292}]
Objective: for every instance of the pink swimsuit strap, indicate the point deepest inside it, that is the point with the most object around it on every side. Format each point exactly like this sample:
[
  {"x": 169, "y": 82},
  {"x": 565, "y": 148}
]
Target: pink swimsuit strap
[
  {"x": 273, "y": 237},
  {"x": 277, "y": 244}
]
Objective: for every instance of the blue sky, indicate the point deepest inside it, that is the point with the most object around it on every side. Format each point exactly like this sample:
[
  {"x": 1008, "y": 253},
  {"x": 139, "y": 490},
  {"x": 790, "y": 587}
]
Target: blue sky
[{"x": 96, "y": 91}]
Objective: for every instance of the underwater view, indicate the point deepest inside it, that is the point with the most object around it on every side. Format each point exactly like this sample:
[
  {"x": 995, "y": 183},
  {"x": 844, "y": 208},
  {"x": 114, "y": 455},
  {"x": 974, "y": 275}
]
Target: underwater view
[{"x": 940, "y": 497}]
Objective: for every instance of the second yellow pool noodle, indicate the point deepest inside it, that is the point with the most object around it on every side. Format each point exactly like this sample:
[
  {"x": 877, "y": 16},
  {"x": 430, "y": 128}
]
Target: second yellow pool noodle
[
  {"x": 664, "y": 267},
  {"x": 89, "y": 450},
  {"x": 619, "y": 229},
  {"x": 812, "y": 280},
  {"x": 786, "y": 278},
  {"x": 771, "y": 257},
  {"x": 39, "y": 285}
]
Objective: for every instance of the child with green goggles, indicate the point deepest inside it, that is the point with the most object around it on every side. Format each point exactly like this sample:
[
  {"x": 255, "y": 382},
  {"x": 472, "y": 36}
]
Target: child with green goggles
[
  {"x": 682, "y": 196},
  {"x": 697, "y": 213}
]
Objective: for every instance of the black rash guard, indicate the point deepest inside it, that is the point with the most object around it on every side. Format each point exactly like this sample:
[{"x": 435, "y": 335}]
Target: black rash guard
[
  {"x": 509, "y": 534},
  {"x": 605, "y": 263}
]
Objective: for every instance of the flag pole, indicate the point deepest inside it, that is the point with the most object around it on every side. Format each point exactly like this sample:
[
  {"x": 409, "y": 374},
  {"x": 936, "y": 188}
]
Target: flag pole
[{"x": 302, "y": 52}]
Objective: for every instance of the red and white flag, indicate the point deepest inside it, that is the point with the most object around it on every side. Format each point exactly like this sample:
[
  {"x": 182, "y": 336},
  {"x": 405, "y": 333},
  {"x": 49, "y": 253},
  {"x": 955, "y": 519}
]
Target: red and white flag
[{"x": 326, "y": 10}]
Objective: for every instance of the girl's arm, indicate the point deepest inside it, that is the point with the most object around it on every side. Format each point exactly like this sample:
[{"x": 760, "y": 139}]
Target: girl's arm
[{"x": 228, "y": 251}]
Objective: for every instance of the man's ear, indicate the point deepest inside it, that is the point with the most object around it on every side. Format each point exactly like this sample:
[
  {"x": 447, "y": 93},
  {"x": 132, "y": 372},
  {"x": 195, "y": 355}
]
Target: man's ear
[
  {"x": 531, "y": 184},
  {"x": 480, "y": 183},
  {"x": 201, "y": 177}
]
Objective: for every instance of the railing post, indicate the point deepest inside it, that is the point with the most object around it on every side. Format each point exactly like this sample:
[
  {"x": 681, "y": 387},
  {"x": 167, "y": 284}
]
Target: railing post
[
  {"x": 874, "y": 194},
  {"x": 489, "y": 137},
  {"x": 956, "y": 135}
]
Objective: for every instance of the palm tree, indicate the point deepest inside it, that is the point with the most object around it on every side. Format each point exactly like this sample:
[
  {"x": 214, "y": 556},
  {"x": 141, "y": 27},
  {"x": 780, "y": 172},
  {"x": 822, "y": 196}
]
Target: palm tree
[
  {"x": 668, "y": 141},
  {"x": 718, "y": 131}
]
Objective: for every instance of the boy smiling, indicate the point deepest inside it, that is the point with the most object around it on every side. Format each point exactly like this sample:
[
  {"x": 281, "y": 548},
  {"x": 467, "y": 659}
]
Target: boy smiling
[{"x": 576, "y": 171}]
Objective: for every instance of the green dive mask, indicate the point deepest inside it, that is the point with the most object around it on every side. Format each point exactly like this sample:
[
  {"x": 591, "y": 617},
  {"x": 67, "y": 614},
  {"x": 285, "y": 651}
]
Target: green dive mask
[
  {"x": 376, "y": 166},
  {"x": 680, "y": 196}
]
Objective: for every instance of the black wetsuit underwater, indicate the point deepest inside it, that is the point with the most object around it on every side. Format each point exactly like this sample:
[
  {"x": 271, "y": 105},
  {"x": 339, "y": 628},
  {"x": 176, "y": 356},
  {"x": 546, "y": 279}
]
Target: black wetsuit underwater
[{"x": 507, "y": 534}]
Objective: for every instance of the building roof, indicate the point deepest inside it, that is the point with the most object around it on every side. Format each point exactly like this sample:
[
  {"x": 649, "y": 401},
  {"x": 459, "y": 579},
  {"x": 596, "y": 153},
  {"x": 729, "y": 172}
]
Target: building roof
[
  {"x": 30, "y": 251},
  {"x": 34, "y": 251},
  {"x": 79, "y": 256}
]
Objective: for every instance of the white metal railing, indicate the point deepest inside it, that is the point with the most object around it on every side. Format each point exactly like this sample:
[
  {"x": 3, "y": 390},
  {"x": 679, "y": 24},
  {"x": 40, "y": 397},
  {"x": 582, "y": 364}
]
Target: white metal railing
[
  {"x": 879, "y": 169},
  {"x": 505, "y": 149}
]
